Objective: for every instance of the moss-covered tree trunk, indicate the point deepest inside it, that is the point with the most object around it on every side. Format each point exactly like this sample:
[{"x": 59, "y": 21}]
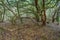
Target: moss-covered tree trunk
[
  {"x": 37, "y": 9},
  {"x": 19, "y": 16},
  {"x": 3, "y": 14}
]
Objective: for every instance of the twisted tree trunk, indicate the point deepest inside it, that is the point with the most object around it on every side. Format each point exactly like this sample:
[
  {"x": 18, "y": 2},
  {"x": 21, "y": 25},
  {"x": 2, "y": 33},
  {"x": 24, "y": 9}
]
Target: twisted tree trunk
[{"x": 43, "y": 13}]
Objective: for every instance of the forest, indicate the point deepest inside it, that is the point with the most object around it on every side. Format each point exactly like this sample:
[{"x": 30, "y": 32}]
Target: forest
[{"x": 29, "y": 19}]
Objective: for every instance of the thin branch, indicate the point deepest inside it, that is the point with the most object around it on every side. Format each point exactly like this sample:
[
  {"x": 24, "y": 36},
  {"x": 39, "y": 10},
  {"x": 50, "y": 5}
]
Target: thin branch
[{"x": 8, "y": 8}]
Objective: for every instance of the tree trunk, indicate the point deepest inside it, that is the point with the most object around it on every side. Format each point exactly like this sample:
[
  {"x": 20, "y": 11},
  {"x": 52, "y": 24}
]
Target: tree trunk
[
  {"x": 37, "y": 15},
  {"x": 53, "y": 19},
  {"x": 3, "y": 14},
  {"x": 19, "y": 16},
  {"x": 43, "y": 13}
]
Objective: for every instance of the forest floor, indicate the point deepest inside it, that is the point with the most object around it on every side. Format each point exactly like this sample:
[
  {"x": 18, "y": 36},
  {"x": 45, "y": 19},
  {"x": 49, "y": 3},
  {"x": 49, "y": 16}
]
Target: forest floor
[{"x": 29, "y": 31}]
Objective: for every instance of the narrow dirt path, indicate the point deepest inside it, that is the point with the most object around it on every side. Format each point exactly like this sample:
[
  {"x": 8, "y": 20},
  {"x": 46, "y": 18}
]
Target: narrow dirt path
[{"x": 54, "y": 26}]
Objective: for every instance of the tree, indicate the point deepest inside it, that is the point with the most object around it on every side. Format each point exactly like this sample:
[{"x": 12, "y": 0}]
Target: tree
[
  {"x": 56, "y": 12},
  {"x": 43, "y": 13},
  {"x": 37, "y": 9}
]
